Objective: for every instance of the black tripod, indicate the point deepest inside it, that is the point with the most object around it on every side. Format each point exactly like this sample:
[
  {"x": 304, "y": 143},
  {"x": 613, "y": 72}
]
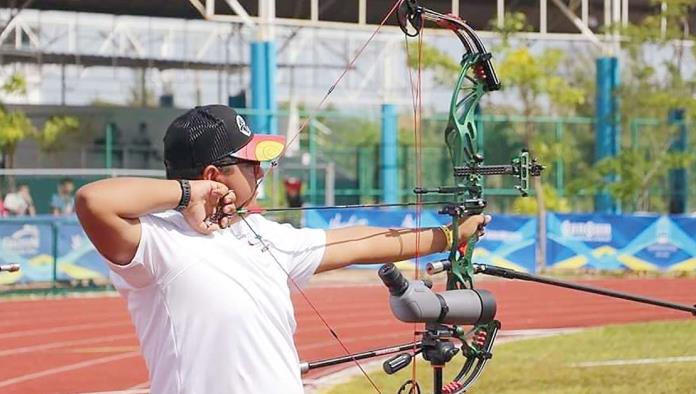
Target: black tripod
[
  {"x": 437, "y": 349},
  {"x": 434, "y": 345}
]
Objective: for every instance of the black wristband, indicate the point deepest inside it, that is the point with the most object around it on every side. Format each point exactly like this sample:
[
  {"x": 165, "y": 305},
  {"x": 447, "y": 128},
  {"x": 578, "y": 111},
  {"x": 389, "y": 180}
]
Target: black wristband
[{"x": 185, "y": 194}]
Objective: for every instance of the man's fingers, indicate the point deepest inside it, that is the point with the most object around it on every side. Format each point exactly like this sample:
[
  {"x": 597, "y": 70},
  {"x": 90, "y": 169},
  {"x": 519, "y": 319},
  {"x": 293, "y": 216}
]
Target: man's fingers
[
  {"x": 218, "y": 190},
  {"x": 483, "y": 221},
  {"x": 229, "y": 198},
  {"x": 207, "y": 227},
  {"x": 225, "y": 221},
  {"x": 479, "y": 220}
]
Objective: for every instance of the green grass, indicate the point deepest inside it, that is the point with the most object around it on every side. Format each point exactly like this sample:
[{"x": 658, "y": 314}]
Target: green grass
[{"x": 545, "y": 365}]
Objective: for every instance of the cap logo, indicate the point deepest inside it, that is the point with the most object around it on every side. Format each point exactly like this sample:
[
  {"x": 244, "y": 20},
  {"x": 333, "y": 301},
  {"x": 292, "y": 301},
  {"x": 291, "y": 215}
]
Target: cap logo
[{"x": 241, "y": 124}]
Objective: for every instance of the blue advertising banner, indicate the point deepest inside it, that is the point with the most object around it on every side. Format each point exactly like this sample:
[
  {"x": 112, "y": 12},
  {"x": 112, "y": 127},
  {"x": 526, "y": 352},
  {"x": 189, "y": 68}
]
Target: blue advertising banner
[
  {"x": 574, "y": 241},
  {"x": 77, "y": 257},
  {"x": 509, "y": 240},
  {"x": 631, "y": 242},
  {"x": 683, "y": 235},
  {"x": 30, "y": 243}
]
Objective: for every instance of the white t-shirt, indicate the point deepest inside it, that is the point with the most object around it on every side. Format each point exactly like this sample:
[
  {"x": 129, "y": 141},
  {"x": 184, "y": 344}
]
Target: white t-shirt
[
  {"x": 16, "y": 204},
  {"x": 213, "y": 313}
]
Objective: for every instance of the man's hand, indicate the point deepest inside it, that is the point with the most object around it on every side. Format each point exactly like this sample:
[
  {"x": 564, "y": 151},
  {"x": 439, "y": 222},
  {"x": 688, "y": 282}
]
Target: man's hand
[
  {"x": 473, "y": 225},
  {"x": 211, "y": 203}
]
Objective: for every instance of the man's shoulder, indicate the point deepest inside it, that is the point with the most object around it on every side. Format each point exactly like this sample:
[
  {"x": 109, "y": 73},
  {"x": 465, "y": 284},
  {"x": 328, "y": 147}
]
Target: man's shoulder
[{"x": 13, "y": 201}]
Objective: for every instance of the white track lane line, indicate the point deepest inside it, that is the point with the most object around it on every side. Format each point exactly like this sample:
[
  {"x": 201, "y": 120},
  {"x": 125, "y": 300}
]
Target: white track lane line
[
  {"x": 142, "y": 385},
  {"x": 63, "y": 319},
  {"x": 127, "y": 391},
  {"x": 638, "y": 361},
  {"x": 66, "y": 368},
  {"x": 55, "y": 345},
  {"x": 77, "y": 327}
]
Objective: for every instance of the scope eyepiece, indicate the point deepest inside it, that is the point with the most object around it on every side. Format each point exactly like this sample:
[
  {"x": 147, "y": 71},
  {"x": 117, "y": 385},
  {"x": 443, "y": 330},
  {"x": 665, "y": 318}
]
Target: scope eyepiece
[{"x": 393, "y": 279}]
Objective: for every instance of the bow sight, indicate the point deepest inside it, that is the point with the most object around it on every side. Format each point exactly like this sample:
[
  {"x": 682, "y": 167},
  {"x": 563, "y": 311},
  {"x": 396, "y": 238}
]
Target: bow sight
[{"x": 521, "y": 168}]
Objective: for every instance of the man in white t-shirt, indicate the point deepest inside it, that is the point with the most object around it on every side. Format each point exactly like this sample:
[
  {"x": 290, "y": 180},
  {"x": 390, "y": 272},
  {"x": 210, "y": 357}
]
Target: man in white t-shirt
[
  {"x": 20, "y": 202},
  {"x": 209, "y": 291}
]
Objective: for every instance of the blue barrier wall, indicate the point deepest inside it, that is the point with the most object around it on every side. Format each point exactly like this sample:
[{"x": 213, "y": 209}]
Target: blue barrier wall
[
  {"x": 630, "y": 242},
  {"x": 575, "y": 241},
  {"x": 509, "y": 240},
  {"x": 48, "y": 249}
]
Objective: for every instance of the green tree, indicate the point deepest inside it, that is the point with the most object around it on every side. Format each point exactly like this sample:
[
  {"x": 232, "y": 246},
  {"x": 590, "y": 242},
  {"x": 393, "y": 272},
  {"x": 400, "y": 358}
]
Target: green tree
[
  {"x": 657, "y": 53},
  {"x": 52, "y": 137},
  {"x": 537, "y": 82},
  {"x": 15, "y": 127},
  {"x": 428, "y": 57}
]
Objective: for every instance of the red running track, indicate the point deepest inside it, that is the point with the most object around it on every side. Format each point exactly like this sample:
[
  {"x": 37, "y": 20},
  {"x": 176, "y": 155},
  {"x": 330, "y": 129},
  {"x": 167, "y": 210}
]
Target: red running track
[{"x": 77, "y": 345}]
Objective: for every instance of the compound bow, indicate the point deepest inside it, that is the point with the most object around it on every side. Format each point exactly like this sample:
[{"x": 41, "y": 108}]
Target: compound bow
[{"x": 476, "y": 78}]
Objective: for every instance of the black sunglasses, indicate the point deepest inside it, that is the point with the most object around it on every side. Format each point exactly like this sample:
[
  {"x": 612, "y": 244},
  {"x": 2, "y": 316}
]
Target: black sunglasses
[{"x": 231, "y": 161}]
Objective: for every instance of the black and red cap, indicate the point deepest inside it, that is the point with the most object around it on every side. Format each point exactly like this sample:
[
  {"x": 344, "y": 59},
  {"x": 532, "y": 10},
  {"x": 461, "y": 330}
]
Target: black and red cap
[{"x": 213, "y": 133}]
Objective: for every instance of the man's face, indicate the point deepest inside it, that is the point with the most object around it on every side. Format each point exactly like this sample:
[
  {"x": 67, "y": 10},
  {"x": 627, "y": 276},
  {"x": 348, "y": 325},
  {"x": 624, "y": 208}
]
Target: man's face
[
  {"x": 242, "y": 178},
  {"x": 23, "y": 190},
  {"x": 68, "y": 187}
]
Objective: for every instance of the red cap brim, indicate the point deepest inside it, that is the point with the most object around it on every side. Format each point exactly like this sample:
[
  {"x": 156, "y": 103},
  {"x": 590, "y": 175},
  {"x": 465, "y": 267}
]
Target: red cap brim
[{"x": 262, "y": 148}]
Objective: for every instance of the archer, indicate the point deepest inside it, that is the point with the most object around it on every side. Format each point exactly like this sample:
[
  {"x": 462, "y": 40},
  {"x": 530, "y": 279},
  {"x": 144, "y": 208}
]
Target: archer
[{"x": 208, "y": 290}]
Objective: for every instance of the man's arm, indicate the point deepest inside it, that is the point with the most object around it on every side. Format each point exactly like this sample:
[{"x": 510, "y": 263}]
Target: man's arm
[
  {"x": 109, "y": 210},
  {"x": 55, "y": 205},
  {"x": 362, "y": 244}
]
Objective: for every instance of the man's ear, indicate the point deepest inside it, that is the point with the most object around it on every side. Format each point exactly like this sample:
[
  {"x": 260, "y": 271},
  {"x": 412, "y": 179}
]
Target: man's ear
[{"x": 210, "y": 173}]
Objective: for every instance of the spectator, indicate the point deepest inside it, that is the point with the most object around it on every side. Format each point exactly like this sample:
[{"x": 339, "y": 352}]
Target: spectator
[
  {"x": 3, "y": 211},
  {"x": 20, "y": 202},
  {"x": 62, "y": 202}
]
